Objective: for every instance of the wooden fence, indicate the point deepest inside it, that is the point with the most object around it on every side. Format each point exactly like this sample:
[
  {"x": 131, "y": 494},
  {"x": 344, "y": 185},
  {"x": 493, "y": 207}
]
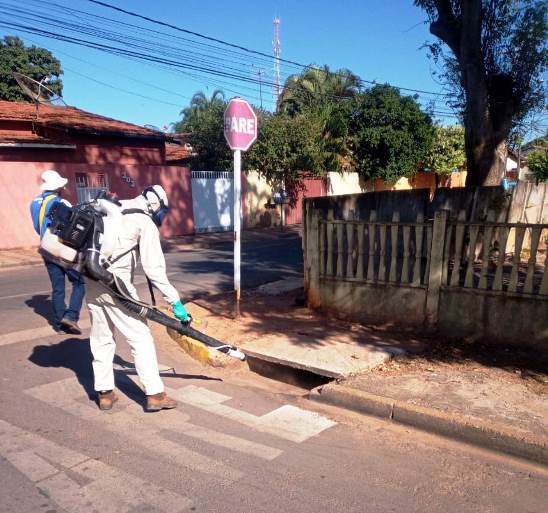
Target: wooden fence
[
  {"x": 376, "y": 252},
  {"x": 462, "y": 276},
  {"x": 476, "y": 256}
]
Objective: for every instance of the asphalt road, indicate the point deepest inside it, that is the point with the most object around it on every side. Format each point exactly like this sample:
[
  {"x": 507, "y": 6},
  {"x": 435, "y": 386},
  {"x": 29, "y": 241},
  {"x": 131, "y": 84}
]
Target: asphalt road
[
  {"x": 24, "y": 292},
  {"x": 237, "y": 443}
]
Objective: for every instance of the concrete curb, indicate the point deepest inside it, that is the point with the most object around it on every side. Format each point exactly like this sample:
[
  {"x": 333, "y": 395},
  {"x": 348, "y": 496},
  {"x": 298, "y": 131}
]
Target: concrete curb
[{"x": 461, "y": 427}]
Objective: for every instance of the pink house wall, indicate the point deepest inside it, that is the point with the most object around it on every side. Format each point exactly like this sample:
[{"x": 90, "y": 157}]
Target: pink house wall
[
  {"x": 19, "y": 183},
  {"x": 313, "y": 187}
]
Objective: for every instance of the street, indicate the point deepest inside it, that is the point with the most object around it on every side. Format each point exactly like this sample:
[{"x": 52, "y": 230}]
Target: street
[{"x": 237, "y": 443}]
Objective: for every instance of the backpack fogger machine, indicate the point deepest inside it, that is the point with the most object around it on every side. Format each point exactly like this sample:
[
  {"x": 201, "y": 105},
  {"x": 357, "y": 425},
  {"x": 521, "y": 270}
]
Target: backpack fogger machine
[{"x": 84, "y": 238}]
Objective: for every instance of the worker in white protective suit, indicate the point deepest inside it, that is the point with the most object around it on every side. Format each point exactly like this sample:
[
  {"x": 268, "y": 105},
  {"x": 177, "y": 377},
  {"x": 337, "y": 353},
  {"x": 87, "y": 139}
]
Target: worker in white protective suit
[{"x": 138, "y": 237}]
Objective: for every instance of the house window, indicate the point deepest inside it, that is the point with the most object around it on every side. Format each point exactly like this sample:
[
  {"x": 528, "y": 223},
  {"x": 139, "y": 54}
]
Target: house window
[
  {"x": 102, "y": 181},
  {"x": 88, "y": 187},
  {"x": 82, "y": 180}
]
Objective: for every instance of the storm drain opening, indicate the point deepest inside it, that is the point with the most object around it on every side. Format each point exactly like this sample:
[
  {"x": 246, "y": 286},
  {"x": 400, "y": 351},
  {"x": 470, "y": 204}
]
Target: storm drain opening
[{"x": 301, "y": 378}]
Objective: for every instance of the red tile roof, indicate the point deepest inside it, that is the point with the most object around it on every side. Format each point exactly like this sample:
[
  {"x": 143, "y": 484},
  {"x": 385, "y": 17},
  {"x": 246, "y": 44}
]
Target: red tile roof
[
  {"x": 73, "y": 119},
  {"x": 175, "y": 152}
]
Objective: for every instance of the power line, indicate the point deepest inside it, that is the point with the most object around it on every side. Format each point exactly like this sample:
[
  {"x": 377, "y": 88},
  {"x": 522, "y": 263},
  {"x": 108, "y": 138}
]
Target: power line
[
  {"x": 198, "y": 34},
  {"x": 165, "y": 57}
]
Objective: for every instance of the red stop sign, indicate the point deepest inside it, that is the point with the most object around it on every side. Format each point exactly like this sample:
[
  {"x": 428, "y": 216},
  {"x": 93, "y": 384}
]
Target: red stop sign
[{"x": 240, "y": 125}]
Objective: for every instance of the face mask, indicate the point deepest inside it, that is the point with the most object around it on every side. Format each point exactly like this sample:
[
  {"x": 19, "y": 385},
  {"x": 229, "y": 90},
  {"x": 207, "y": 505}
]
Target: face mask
[{"x": 158, "y": 215}]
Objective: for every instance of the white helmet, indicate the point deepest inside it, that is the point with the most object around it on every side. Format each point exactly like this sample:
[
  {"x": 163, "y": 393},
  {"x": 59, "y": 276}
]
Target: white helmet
[{"x": 52, "y": 181}]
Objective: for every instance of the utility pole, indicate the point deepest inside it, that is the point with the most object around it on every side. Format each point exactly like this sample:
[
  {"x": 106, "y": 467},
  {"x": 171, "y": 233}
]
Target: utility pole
[
  {"x": 277, "y": 52},
  {"x": 260, "y": 73}
]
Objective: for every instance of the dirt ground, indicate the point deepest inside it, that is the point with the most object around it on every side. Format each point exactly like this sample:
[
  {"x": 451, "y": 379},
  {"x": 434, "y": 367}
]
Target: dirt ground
[{"x": 477, "y": 359}]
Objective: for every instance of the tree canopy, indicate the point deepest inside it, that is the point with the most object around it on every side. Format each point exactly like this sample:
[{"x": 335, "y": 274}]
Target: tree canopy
[
  {"x": 447, "y": 151},
  {"x": 497, "y": 56},
  {"x": 32, "y": 61},
  {"x": 537, "y": 160},
  {"x": 390, "y": 134},
  {"x": 203, "y": 125},
  {"x": 377, "y": 132}
]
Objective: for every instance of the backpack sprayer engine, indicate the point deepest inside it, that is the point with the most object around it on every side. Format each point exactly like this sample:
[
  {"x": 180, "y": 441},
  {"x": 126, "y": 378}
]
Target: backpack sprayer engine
[{"x": 83, "y": 238}]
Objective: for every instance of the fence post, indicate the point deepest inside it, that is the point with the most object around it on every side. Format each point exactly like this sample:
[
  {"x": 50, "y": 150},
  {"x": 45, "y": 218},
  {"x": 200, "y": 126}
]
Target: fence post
[
  {"x": 312, "y": 288},
  {"x": 434, "y": 278}
]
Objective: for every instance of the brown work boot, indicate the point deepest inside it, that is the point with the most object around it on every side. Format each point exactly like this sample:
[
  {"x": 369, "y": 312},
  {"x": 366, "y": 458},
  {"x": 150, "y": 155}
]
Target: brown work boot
[
  {"x": 161, "y": 401},
  {"x": 106, "y": 399},
  {"x": 70, "y": 326}
]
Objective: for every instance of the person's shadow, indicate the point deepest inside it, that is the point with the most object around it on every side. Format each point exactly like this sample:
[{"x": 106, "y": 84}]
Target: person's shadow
[
  {"x": 75, "y": 354},
  {"x": 42, "y": 305}
]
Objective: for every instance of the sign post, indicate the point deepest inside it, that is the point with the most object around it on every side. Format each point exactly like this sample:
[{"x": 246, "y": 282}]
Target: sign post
[{"x": 240, "y": 129}]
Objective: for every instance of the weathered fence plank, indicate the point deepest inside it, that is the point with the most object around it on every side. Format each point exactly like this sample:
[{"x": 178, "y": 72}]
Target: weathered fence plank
[
  {"x": 503, "y": 234},
  {"x": 486, "y": 245},
  {"x": 535, "y": 238},
  {"x": 392, "y": 274},
  {"x": 340, "y": 250},
  {"x": 436, "y": 267},
  {"x": 382, "y": 254},
  {"x": 350, "y": 249},
  {"x": 469, "y": 279},
  {"x": 405, "y": 265},
  {"x": 329, "y": 269},
  {"x": 359, "y": 260},
  {"x": 516, "y": 260},
  {"x": 372, "y": 233},
  {"x": 459, "y": 239},
  {"x": 419, "y": 231}
]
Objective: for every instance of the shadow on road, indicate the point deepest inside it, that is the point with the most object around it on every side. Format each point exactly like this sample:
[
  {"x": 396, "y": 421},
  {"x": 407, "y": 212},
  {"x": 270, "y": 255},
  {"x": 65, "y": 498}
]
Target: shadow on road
[
  {"x": 42, "y": 305},
  {"x": 75, "y": 354}
]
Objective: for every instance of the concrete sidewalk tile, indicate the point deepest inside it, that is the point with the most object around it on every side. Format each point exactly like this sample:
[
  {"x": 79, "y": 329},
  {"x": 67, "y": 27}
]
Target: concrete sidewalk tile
[{"x": 468, "y": 429}]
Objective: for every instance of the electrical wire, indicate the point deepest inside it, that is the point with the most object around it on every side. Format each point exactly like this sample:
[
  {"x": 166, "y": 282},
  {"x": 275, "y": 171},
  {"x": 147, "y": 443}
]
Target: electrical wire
[
  {"x": 203, "y": 66},
  {"x": 209, "y": 38}
]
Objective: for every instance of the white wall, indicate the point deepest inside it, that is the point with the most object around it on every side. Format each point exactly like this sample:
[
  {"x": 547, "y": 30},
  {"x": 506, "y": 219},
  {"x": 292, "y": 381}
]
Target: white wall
[
  {"x": 343, "y": 183},
  {"x": 212, "y": 200}
]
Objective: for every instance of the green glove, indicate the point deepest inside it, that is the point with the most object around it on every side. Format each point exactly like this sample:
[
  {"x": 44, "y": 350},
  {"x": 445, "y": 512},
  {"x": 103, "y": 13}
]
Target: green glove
[{"x": 179, "y": 311}]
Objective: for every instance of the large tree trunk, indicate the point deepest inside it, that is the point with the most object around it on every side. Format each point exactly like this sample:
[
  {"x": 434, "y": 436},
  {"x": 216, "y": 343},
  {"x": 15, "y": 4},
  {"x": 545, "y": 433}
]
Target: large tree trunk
[
  {"x": 488, "y": 112},
  {"x": 485, "y": 156}
]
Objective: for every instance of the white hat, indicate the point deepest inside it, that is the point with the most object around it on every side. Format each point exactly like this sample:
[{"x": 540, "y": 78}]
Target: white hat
[
  {"x": 52, "y": 181},
  {"x": 153, "y": 199}
]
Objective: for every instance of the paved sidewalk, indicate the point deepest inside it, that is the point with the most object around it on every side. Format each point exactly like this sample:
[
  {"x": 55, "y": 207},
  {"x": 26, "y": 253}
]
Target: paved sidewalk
[
  {"x": 492, "y": 397},
  {"x": 10, "y": 258}
]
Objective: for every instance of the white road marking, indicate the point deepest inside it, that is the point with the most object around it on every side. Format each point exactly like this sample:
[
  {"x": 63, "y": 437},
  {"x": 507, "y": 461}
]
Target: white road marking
[
  {"x": 100, "y": 487},
  {"x": 288, "y": 422},
  {"x": 26, "y": 294},
  {"x": 179, "y": 424},
  {"x": 36, "y": 333},
  {"x": 69, "y": 396},
  {"x": 64, "y": 394}
]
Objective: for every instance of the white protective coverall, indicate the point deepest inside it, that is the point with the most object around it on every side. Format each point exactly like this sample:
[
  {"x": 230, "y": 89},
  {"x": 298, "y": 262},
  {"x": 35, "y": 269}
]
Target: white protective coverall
[{"x": 106, "y": 312}]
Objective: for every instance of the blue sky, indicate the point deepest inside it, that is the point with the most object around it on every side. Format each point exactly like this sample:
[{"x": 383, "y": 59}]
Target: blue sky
[{"x": 378, "y": 40}]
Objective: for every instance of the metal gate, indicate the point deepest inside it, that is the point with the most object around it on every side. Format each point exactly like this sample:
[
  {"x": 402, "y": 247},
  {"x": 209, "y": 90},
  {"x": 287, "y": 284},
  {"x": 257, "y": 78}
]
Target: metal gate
[{"x": 212, "y": 200}]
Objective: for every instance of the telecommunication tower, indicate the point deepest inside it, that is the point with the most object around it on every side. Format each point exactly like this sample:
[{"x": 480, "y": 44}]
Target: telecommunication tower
[{"x": 277, "y": 89}]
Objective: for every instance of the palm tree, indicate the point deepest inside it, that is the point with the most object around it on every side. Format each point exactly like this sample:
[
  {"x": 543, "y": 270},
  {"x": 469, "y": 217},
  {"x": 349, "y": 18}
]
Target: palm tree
[
  {"x": 200, "y": 103},
  {"x": 315, "y": 87}
]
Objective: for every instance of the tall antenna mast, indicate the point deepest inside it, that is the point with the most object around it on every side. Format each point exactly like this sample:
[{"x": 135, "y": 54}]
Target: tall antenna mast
[{"x": 277, "y": 89}]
